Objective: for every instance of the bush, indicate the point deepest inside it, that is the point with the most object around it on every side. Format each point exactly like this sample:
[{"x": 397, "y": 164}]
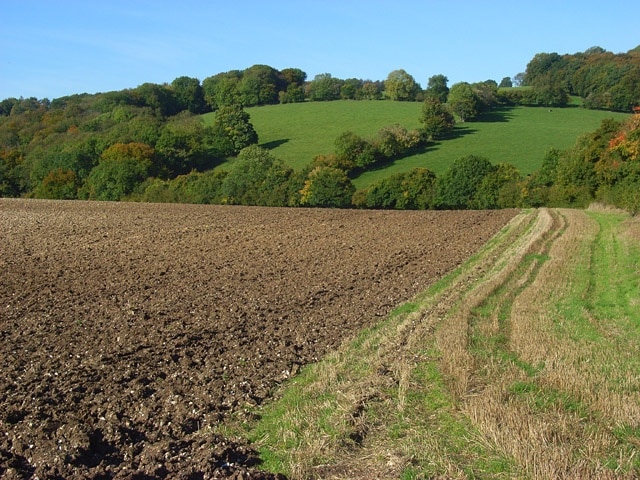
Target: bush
[
  {"x": 58, "y": 184},
  {"x": 457, "y": 187},
  {"x": 258, "y": 178},
  {"x": 498, "y": 189},
  {"x": 327, "y": 187},
  {"x": 413, "y": 190}
]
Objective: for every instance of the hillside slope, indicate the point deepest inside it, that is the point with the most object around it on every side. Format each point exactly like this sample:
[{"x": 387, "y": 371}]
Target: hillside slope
[{"x": 298, "y": 132}]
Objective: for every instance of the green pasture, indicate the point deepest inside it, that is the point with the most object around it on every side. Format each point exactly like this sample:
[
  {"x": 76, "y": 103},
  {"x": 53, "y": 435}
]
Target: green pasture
[
  {"x": 520, "y": 136},
  {"x": 297, "y": 132}
]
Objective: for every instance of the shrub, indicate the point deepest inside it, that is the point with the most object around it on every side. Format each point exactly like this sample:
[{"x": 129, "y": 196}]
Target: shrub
[
  {"x": 327, "y": 187},
  {"x": 457, "y": 187}
]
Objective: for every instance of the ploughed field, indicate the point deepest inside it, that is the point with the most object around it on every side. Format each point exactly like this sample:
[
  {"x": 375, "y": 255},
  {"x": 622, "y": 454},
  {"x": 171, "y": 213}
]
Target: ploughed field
[{"x": 130, "y": 332}]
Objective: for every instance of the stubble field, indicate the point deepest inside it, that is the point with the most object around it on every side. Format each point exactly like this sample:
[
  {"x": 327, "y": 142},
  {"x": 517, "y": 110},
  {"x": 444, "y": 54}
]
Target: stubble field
[{"x": 129, "y": 332}]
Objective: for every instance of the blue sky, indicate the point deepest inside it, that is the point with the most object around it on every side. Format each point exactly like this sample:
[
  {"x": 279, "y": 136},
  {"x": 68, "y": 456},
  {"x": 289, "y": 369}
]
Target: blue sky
[{"x": 59, "y": 47}]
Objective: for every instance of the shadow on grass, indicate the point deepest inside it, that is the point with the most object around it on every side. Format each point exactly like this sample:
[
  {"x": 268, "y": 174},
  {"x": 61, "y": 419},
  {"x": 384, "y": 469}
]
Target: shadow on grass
[
  {"x": 458, "y": 132},
  {"x": 386, "y": 163},
  {"x": 274, "y": 144},
  {"x": 495, "y": 116}
]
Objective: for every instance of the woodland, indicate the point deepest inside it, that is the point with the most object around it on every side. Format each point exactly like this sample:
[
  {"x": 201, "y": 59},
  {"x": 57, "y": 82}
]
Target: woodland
[{"x": 150, "y": 143}]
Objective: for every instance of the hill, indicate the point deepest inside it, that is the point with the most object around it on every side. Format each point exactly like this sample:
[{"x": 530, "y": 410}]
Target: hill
[{"x": 521, "y": 136}]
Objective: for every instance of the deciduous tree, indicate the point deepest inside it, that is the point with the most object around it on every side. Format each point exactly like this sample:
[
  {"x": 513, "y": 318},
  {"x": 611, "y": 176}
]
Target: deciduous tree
[
  {"x": 222, "y": 89},
  {"x": 59, "y": 184},
  {"x": 323, "y": 88},
  {"x": 189, "y": 94},
  {"x": 436, "y": 119},
  {"x": 258, "y": 178},
  {"x": 506, "y": 83},
  {"x": 399, "y": 85},
  {"x": 327, "y": 187},
  {"x": 121, "y": 169},
  {"x": 437, "y": 88},
  {"x": 463, "y": 101},
  {"x": 458, "y": 185},
  {"x": 233, "y": 130},
  {"x": 354, "y": 151}
]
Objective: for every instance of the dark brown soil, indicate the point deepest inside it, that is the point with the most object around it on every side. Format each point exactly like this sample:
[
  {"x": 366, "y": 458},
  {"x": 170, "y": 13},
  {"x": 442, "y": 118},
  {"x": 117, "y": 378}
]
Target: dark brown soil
[{"x": 128, "y": 332}]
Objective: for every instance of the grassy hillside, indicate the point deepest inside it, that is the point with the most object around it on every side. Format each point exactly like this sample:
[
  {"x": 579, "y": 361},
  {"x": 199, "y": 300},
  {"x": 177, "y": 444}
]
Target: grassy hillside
[
  {"x": 297, "y": 132},
  {"x": 521, "y": 136},
  {"x": 520, "y": 364}
]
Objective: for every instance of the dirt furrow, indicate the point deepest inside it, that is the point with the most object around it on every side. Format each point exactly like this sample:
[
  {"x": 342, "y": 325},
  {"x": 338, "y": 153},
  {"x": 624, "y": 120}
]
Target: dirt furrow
[{"x": 129, "y": 332}]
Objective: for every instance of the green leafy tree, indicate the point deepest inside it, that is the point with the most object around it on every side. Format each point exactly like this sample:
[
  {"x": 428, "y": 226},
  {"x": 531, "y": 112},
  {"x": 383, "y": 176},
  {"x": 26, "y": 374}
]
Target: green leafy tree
[
  {"x": 401, "y": 86},
  {"x": 6, "y": 106},
  {"x": 189, "y": 94},
  {"x": 518, "y": 79},
  {"x": 327, "y": 187},
  {"x": 185, "y": 145},
  {"x": 77, "y": 155},
  {"x": 194, "y": 187},
  {"x": 350, "y": 89},
  {"x": 487, "y": 95},
  {"x": 324, "y": 88},
  {"x": 420, "y": 189},
  {"x": 223, "y": 89},
  {"x": 260, "y": 85},
  {"x": 499, "y": 188},
  {"x": 294, "y": 80},
  {"x": 437, "y": 88},
  {"x": 413, "y": 190},
  {"x": 458, "y": 185},
  {"x": 506, "y": 82},
  {"x": 293, "y": 76},
  {"x": 354, "y": 151},
  {"x": 436, "y": 119},
  {"x": 538, "y": 188},
  {"x": 114, "y": 180},
  {"x": 10, "y": 161},
  {"x": 383, "y": 194},
  {"x": 233, "y": 130},
  {"x": 549, "y": 91},
  {"x": 159, "y": 97},
  {"x": 541, "y": 64},
  {"x": 258, "y": 178},
  {"x": 59, "y": 184},
  {"x": 393, "y": 141},
  {"x": 371, "y": 90},
  {"x": 547, "y": 173},
  {"x": 463, "y": 101},
  {"x": 332, "y": 160},
  {"x": 293, "y": 94},
  {"x": 121, "y": 169}
]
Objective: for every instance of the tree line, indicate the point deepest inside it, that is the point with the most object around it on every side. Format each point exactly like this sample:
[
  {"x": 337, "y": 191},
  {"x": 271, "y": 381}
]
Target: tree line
[
  {"x": 605, "y": 80},
  {"x": 603, "y": 166},
  {"x": 149, "y": 143}
]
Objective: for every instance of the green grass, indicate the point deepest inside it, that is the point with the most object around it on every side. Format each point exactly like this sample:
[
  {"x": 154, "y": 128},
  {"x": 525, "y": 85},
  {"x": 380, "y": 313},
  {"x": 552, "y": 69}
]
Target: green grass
[
  {"x": 520, "y": 136},
  {"x": 297, "y": 132}
]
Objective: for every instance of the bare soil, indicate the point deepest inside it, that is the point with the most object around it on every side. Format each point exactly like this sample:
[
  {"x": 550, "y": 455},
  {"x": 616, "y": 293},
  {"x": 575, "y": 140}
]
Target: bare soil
[{"x": 129, "y": 332}]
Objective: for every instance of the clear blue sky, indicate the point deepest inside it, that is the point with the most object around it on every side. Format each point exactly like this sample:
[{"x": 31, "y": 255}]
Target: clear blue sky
[{"x": 59, "y": 47}]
